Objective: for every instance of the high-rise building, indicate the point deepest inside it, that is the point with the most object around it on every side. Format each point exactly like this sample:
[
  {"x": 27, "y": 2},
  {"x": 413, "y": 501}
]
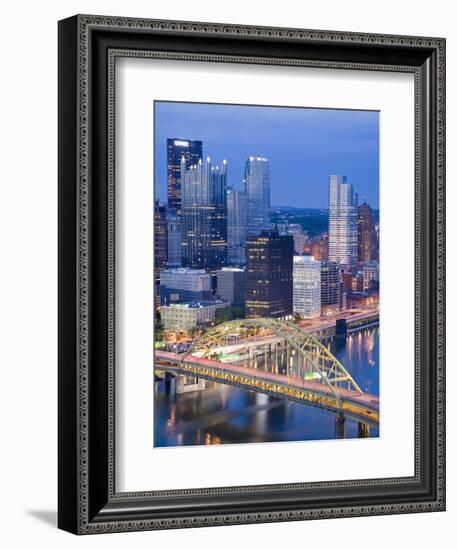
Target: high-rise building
[
  {"x": 367, "y": 237},
  {"x": 160, "y": 237},
  {"x": 257, "y": 189},
  {"x": 269, "y": 264},
  {"x": 174, "y": 235},
  {"x": 231, "y": 285},
  {"x": 342, "y": 221},
  {"x": 236, "y": 224},
  {"x": 177, "y": 149},
  {"x": 184, "y": 285},
  {"x": 330, "y": 285},
  {"x": 204, "y": 215},
  {"x": 307, "y": 287}
]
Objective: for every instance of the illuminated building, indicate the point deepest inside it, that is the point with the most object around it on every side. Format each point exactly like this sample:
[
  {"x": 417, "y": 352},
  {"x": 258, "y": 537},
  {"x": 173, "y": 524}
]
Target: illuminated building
[
  {"x": 367, "y": 237},
  {"x": 306, "y": 287},
  {"x": 342, "y": 222},
  {"x": 187, "y": 316},
  {"x": 257, "y": 189},
  {"x": 269, "y": 266},
  {"x": 236, "y": 224},
  {"x": 177, "y": 149},
  {"x": 204, "y": 215}
]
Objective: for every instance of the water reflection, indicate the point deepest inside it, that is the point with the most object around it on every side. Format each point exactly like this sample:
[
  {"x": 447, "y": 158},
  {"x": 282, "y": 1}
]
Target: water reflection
[{"x": 224, "y": 414}]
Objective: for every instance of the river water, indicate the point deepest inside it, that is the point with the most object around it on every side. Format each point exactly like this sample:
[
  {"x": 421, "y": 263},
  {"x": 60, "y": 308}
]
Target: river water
[{"x": 225, "y": 414}]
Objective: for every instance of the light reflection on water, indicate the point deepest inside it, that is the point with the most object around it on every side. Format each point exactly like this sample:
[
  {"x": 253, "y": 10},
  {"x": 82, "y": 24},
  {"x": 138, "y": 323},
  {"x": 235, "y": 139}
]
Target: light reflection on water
[{"x": 225, "y": 414}]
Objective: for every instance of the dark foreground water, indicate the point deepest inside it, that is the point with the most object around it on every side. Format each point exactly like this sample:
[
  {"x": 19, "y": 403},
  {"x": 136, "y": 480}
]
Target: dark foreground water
[{"x": 225, "y": 414}]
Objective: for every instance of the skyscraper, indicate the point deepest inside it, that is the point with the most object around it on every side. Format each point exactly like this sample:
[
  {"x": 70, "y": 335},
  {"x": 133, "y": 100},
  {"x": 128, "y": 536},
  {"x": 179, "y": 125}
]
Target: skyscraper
[
  {"x": 160, "y": 237},
  {"x": 342, "y": 221},
  {"x": 330, "y": 285},
  {"x": 269, "y": 264},
  {"x": 177, "y": 149},
  {"x": 174, "y": 235},
  {"x": 204, "y": 215},
  {"x": 257, "y": 189},
  {"x": 307, "y": 287},
  {"x": 367, "y": 238},
  {"x": 236, "y": 223}
]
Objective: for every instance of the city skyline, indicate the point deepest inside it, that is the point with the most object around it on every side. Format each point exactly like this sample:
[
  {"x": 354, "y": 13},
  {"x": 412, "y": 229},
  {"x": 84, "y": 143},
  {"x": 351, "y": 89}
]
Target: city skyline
[
  {"x": 303, "y": 146},
  {"x": 252, "y": 297}
]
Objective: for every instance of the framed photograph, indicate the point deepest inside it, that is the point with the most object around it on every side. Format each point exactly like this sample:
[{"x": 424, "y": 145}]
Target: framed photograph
[{"x": 251, "y": 274}]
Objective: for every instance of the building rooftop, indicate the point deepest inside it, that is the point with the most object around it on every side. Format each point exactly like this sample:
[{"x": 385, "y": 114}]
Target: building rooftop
[{"x": 197, "y": 304}]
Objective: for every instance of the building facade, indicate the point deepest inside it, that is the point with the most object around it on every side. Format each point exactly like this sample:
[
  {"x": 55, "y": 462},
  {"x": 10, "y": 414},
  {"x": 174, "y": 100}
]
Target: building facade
[
  {"x": 306, "y": 287},
  {"x": 231, "y": 285},
  {"x": 184, "y": 285},
  {"x": 177, "y": 150},
  {"x": 174, "y": 237},
  {"x": 257, "y": 189},
  {"x": 331, "y": 285},
  {"x": 188, "y": 316},
  {"x": 204, "y": 215},
  {"x": 342, "y": 221},
  {"x": 269, "y": 266},
  {"x": 236, "y": 224},
  {"x": 367, "y": 235},
  {"x": 160, "y": 237},
  {"x": 370, "y": 275}
]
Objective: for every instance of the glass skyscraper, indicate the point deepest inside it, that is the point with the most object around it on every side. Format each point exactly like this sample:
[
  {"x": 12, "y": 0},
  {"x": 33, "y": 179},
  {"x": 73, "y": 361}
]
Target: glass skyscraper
[
  {"x": 236, "y": 223},
  {"x": 257, "y": 189},
  {"x": 177, "y": 149},
  {"x": 307, "y": 287},
  {"x": 204, "y": 215},
  {"x": 342, "y": 221}
]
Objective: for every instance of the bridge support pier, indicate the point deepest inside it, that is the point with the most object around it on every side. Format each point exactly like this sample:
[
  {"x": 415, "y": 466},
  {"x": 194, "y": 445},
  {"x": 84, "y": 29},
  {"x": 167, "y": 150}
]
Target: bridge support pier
[
  {"x": 363, "y": 430},
  {"x": 170, "y": 384},
  {"x": 340, "y": 426},
  {"x": 186, "y": 384}
]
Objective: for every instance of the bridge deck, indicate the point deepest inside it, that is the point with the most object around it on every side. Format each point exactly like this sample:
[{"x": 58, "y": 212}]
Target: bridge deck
[{"x": 361, "y": 401}]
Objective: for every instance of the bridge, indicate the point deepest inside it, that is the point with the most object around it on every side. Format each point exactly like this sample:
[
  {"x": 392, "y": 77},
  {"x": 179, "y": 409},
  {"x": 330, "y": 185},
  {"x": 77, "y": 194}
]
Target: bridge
[{"x": 321, "y": 380}]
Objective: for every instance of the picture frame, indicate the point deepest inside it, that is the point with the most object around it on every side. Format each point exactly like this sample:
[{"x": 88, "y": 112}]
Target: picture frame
[{"x": 88, "y": 500}]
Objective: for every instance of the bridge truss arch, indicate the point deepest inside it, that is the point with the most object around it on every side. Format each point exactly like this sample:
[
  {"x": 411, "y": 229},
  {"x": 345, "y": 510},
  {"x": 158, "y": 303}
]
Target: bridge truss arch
[{"x": 327, "y": 368}]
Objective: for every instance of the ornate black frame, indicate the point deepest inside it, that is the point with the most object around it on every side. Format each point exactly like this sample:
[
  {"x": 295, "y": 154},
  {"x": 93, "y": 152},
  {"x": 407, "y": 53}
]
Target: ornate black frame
[{"x": 88, "y": 46}]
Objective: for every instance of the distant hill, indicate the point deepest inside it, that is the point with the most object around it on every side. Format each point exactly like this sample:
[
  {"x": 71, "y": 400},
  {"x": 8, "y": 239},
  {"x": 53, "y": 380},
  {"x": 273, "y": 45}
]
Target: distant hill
[{"x": 312, "y": 220}]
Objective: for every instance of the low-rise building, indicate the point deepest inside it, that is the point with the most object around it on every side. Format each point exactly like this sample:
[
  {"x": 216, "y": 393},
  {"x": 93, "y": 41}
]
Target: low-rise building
[
  {"x": 190, "y": 315},
  {"x": 183, "y": 284}
]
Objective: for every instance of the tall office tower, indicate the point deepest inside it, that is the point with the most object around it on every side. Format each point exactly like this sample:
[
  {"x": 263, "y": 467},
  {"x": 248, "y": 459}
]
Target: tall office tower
[
  {"x": 204, "y": 215},
  {"x": 177, "y": 149},
  {"x": 257, "y": 189},
  {"x": 174, "y": 239},
  {"x": 342, "y": 221},
  {"x": 269, "y": 264},
  {"x": 236, "y": 224},
  {"x": 330, "y": 285},
  {"x": 367, "y": 237},
  {"x": 231, "y": 285},
  {"x": 184, "y": 285},
  {"x": 307, "y": 287},
  {"x": 160, "y": 237}
]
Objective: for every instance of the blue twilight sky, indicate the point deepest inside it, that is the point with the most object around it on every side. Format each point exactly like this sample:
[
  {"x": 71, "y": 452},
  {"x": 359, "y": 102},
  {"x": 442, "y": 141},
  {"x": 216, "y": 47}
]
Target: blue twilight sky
[{"x": 304, "y": 146}]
